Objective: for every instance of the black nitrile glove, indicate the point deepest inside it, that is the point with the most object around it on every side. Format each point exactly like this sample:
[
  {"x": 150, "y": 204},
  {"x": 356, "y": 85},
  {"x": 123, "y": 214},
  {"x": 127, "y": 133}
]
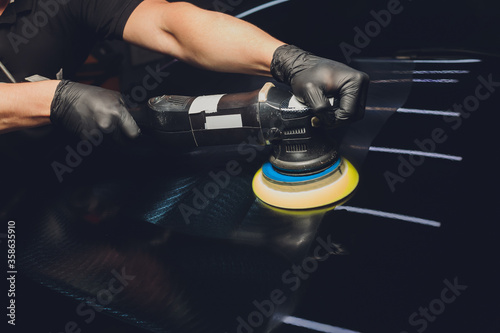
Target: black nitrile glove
[
  {"x": 314, "y": 79},
  {"x": 83, "y": 109}
]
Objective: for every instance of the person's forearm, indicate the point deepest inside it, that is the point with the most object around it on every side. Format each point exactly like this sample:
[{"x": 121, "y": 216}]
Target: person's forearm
[
  {"x": 204, "y": 38},
  {"x": 220, "y": 42},
  {"x": 25, "y": 105}
]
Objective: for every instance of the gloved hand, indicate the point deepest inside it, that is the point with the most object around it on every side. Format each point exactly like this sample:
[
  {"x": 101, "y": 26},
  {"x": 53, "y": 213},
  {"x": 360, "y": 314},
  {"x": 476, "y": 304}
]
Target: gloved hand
[
  {"x": 314, "y": 79},
  {"x": 81, "y": 109}
]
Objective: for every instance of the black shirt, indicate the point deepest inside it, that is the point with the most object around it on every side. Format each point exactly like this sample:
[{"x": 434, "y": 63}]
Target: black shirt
[{"x": 41, "y": 37}]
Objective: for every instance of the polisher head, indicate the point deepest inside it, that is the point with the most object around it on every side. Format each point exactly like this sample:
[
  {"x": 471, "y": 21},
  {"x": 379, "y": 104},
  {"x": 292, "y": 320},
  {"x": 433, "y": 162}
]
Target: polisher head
[{"x": 297, "y": 191}]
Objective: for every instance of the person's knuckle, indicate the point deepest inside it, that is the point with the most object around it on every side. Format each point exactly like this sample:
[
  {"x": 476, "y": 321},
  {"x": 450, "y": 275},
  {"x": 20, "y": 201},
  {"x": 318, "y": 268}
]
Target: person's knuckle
[
  {"x": 310, "y": 86},
  {"x": 114, "y": 113},
  {"x": 356, "y": 76},
  {"x": 361, "y": 77},
  {"x": 106, "y": 125}
]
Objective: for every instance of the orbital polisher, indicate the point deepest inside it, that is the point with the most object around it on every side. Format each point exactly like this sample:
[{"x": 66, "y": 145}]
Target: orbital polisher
[{"x": 304, "y": 171}]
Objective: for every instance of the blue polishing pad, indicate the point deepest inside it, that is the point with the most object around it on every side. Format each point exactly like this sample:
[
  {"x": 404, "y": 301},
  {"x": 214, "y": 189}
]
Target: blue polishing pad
[{"x": 272, "y": 174}]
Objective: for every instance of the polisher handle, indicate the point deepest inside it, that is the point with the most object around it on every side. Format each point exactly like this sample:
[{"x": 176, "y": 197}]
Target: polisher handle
[
  {"x": 269, "y": 116},
  {"x": 196, "y": 121}
]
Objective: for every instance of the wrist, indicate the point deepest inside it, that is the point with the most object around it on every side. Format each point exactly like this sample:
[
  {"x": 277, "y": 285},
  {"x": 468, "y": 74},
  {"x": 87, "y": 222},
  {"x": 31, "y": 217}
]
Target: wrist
[
  {"x": 57, "y": 100},
  {"x": 47, "y": 93},
  {"x": 25, "y": 105},
  {"x": 287, "y": 61}
]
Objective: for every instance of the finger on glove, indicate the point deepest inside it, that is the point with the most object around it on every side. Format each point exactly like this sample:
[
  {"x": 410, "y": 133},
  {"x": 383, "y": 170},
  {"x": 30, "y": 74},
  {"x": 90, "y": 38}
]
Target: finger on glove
[
  {"x": 128, "y": 125},
  {"x": 352, "y": 97}
]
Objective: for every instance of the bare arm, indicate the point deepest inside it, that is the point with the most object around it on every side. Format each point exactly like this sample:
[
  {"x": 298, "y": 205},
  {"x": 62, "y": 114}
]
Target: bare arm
[
  {"x": 203, "y": 38},
  {"x": 25, "y": 105},
  {"x": 200, "y": 37}
]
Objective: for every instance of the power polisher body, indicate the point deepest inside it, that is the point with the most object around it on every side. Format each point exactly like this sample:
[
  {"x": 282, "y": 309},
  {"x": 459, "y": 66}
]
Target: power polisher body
[{"x": 304, "y": 171}]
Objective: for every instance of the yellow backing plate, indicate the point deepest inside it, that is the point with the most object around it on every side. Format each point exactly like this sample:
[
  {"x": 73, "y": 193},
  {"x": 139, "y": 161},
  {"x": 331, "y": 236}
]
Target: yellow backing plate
[{"x": 329, "y": 190}]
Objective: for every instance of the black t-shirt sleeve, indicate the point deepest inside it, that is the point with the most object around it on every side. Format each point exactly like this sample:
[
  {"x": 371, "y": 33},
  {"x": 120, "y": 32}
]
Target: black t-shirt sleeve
[{"x": 105, "y": 18}]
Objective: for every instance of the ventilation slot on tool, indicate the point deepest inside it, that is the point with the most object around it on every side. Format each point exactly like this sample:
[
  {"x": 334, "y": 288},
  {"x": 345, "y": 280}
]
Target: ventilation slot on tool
[
  {"x": 296, "y": 131},
  {"x": 296, "y": 148}
]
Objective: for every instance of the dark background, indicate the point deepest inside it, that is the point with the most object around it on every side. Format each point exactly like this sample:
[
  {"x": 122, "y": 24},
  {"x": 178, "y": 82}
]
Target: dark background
[{"x": 467, "y": 28}]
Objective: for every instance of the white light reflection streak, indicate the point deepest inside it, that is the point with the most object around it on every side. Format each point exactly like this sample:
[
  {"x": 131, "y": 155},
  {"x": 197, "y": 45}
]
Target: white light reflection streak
[
  {"x": 435, "y": 80},
  {"x": 445, "y": 61},
  {"x": 429, "y": 72},
  {"x": 416, "y": 152},
  {"x": 259, "y": 8},
  {"x": 391, "y": 216},
  {"x": 423, "y": 61},
  {"x": 429, "y": 112},
  {"x": 312, "y": 325},
  {"x": 416, "y": 81},
  {"x": 415, "y": 111}
]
